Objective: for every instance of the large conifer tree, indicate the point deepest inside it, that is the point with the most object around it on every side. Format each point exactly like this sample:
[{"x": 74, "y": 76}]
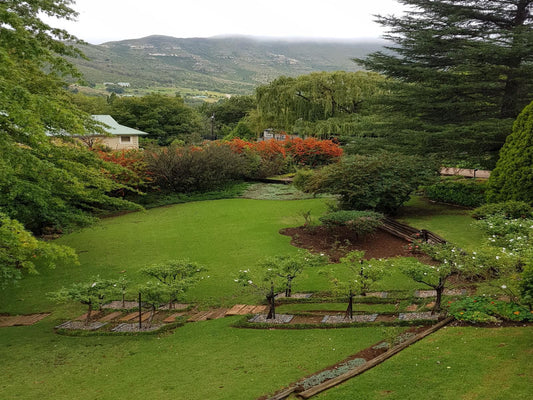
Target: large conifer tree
[{"x": 462, "y": 66}]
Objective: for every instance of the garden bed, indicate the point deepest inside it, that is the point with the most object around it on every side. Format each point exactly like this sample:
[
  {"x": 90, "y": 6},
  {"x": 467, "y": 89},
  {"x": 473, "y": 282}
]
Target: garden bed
[{"x": 338, "y": 241}]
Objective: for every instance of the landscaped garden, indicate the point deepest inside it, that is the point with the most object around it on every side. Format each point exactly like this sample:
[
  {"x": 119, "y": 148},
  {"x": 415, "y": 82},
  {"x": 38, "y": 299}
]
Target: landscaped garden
[{"x": 226, "y": 236}]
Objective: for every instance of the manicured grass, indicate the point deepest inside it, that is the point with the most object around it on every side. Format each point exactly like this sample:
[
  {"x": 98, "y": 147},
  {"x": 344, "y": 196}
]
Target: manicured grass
[
  {"x": 223, "y": 235},
  {"x": 452, "y": 223},
  {"x": 211, "y": 360},
  {"x": 453, "y": 363},
  {"x": 204, "y": 360}
]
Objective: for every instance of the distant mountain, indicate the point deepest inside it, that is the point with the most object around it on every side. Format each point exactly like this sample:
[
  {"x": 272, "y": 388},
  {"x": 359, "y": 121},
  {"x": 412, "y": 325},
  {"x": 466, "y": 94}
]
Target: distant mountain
[{"x": 223, "y": 64}]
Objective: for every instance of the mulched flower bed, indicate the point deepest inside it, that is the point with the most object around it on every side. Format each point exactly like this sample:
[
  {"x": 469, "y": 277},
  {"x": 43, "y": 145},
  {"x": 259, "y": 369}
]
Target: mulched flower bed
[{"x": 337, "y": 242}]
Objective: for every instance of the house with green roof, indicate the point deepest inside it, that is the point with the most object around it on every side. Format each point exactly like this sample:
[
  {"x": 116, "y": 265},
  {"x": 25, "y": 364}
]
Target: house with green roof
[{"x": 120, "y": 137}]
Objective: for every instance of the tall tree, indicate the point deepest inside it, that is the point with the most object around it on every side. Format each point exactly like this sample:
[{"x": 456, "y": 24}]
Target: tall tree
[
  {"x": 469, "y": 59},
  {"x": 303, "y": 102},
  {"x": 512, "y": 179},
  {"x": 32, "y": 66},
  {"x": 462, "y": 66}
]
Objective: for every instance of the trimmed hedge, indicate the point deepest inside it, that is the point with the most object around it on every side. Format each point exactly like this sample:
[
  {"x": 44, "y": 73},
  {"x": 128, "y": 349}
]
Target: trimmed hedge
[
  {"x": 509, "y": 209},
  {"x": 463, "y": 192}
]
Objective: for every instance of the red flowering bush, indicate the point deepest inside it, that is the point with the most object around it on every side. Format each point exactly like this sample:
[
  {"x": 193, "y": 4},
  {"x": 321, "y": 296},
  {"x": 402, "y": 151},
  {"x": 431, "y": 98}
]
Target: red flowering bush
[
  {"x": 134, "y": 172},
  {"x": 274, "y": 155}
]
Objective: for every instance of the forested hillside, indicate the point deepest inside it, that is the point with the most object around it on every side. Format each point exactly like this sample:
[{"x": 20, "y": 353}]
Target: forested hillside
[{"x": 227, "y": 64}]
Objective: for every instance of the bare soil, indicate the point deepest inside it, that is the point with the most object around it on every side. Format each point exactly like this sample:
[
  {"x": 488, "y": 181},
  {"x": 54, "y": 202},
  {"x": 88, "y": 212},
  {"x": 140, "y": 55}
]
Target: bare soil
[{"x": 337, "y": 242}]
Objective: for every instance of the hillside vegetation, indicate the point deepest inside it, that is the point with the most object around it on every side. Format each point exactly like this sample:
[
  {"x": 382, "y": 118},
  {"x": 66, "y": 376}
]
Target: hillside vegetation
[{"x": 234, "y": 65}]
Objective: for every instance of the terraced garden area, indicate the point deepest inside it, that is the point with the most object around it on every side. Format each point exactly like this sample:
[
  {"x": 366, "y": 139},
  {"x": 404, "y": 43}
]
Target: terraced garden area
[{"x": 221, "y": 350}]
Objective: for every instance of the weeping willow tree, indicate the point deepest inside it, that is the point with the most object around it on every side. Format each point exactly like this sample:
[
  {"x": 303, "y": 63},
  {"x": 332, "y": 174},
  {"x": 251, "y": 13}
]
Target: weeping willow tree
[{"x": 318, "y": 104}]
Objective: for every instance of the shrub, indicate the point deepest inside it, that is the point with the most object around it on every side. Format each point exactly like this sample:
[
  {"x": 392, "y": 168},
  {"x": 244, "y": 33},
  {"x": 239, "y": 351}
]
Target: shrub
[
  {"x": 468, "y": 193},
  {"x": 486, "y": 309},
  {"x": 508, "y": 209},
  {"x": 361, "y": 222},
  {"x": 301, "y": 179},
  {"x": 193, "y": 169},
  {"x": 512, "y": 179},
  {"x": 380, "y": 182}
]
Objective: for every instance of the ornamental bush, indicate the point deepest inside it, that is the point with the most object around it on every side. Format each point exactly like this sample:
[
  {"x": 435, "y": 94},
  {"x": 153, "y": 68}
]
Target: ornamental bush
[
  {"x": 508, "y": 209},
  {"x": 512, "y": 179},
  {"x": 380, "y": 182},
  {"x": 361, "y": 222},
  {"x": 463, "y": 192},
  {"x": 194, "y": 169}
]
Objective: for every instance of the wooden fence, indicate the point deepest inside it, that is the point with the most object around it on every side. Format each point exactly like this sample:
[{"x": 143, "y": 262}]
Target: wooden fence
[{"x": 409, "y": 233}]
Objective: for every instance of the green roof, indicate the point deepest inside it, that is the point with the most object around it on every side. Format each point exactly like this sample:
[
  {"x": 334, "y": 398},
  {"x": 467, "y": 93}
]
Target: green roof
[{"x": 114, "y": 128}]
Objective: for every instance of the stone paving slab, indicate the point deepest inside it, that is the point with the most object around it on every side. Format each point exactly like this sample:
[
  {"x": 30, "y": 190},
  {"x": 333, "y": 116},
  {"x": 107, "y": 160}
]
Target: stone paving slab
[
  {"x": 340, "y": 319},
  {"x": 280, "y": 319},
  {"x": 418, "y": 316}
]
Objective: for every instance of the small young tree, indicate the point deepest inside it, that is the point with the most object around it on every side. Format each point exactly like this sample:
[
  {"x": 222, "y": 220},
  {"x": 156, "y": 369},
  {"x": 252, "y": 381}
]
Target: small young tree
[
  {"x": 276, "y": 274},
  {"x": 91, "y": 294},
  {"x": 177, "y": 275},
  {"x": 122, "y": 285},
  {"x": 453, "y": 261},
  {"x": 266, "y": 282},
  {"x": 362, "y": 274},
  {"x": 153, "y": 294}
]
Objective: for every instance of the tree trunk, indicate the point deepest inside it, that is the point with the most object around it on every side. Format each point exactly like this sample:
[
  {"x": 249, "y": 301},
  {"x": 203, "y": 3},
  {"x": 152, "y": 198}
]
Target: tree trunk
[
  {"x": 288, "y": 289},
  {"x": 89, "y": 311},
  {"x": 123, "y": 300},
  {"x": 271, "y": 301},
  {"x": 439, "y": 289},
  {"x": 151, "y": 317},
  {"x": 349, "y": 310}
]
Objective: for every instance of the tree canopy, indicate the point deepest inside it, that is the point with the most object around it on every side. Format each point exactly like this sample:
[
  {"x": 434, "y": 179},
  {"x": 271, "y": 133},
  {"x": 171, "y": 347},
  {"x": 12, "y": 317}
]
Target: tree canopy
[
  {"x": 300, "y": 104},
  {"x": 462, "y": 70},
  {"x": 512, "y": 179}
]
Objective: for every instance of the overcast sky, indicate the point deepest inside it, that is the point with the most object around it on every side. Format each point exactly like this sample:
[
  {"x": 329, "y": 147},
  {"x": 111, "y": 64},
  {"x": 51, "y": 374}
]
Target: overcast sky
[{"x": 106, "y": 20}]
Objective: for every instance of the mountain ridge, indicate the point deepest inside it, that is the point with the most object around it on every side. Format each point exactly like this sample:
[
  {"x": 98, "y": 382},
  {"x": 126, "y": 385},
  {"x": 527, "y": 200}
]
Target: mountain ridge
[{"x": 229, "y": 64}]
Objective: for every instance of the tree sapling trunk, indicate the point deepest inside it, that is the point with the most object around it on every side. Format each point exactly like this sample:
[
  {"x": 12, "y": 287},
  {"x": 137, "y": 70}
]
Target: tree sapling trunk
[{"x": 349, "y": 310}]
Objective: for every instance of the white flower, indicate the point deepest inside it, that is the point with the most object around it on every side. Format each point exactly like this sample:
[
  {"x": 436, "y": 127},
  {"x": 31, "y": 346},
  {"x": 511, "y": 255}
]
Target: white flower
[
  {"x": 250, "y": 282},
  {"x": 236, "y": 280},
  {"x": 497, "y": 257},
  {"x": 504, "y": 286}
]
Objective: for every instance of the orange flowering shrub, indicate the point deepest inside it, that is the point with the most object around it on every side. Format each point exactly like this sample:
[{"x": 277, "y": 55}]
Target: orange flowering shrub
[
  {"x": 311, "y": 151},
  {"x": 135, "y": 172}
]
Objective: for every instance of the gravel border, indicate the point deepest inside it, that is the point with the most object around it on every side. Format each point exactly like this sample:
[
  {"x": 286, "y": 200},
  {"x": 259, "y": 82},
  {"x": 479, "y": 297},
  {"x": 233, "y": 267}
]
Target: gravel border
[
  {"x": 80, "y": 325},
  {"x": 280, "y": 319},
  {"x": 134, "y": 328},
  {"x": 418, "y": 316},
  {"x": 340, "y": 319}
]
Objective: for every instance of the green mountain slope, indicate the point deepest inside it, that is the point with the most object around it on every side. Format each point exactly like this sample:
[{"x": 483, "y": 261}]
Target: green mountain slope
[{"x": 225, "y": 64}]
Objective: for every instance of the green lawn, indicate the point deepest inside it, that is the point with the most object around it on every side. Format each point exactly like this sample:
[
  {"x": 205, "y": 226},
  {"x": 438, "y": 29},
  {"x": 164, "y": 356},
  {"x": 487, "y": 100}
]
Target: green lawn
[
  {"x": 452, "y": 223},
  {"x": 211, "y": 360},
  {"x": 453, "y": 363}
]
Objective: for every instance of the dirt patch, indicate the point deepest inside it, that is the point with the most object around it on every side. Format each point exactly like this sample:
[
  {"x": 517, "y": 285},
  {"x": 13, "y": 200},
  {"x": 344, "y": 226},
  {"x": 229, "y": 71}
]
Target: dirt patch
[{"x": 337, "y": 242}]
